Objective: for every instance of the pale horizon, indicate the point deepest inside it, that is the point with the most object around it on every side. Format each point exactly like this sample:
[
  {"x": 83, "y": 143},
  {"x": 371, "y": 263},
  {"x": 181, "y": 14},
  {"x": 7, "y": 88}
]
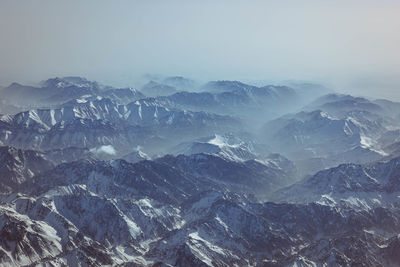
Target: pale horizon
[{"x": 118, "y": 42}]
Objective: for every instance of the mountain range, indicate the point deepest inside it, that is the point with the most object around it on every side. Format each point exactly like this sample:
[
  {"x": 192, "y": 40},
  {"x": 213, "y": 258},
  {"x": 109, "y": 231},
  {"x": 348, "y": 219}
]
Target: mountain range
[{"x": 180, "y": 173}]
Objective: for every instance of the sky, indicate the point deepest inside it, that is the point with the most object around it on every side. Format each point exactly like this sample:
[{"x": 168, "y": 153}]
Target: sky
[{"x": 352, "y": 46}]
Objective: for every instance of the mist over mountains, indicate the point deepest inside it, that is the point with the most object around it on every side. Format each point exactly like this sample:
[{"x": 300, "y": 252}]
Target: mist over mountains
[
  {"x": 199, "y": 133},
  {"x": 182, "y": 173}
]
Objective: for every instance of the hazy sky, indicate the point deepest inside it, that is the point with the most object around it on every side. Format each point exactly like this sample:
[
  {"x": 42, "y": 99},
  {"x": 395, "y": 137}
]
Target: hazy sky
[{"x": 349, "y": 44}]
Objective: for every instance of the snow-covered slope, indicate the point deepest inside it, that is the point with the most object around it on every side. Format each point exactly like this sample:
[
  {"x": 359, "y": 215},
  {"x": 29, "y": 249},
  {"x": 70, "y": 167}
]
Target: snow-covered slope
[
  {"x": 363, "y": 186},
  {"x": 77, "y": 188},
  {"x": 71, "y": 225},
  {"x": 227, "y": 146},
  {"x": 242, "y": 100},
  {"x": 339, "y": 104},
  {"x": 136, "y": 156},
  {"x": 56, "y": 91},
  {"x": 16, "y": 166},
  {"x": 103, "y": 122},
  {"x": 123, "y": 95},
  {"x": 307, "y": 136},
  {"x": 51, "y": 91}
]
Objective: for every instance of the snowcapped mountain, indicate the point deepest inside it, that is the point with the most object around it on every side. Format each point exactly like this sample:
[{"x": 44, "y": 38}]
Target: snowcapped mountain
[
  {"x": 234, "y": 98},
  {"x": 192, "y": 101},
  {"x": 123, "y": 95},
  {"x": 51, "y": 91},
  {"x": 227, "y": 146},
  {"x": 363, "y": 186},
  {"x": 210, "y": 228},
  {"x": 103, "y": 122},
  {"x": 69, "y": 154},
  {"x": 265, "y": 94},
  {"x": 92, "y": 175},
  {"x": 69, "y": 81},
  {"x": 56, "y": 91},
  {"x": 339, "y": 105},
  {"x": 251, "y": 177},
  {"x": 269, "y": 92},
  {"x": 316, "y": 134},
  {"x": 19, "y": 165},
  {"x": 181, "y": 175},
  {"x": 136, "y": 156},
  {"x": 226, "y": 86},
  {"x": 342, "y": 106},
  {"x": 233, "y": 148}
]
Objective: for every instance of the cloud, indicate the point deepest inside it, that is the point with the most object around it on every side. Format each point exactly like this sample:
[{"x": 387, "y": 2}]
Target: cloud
[{"x": 106, "y": 149}]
